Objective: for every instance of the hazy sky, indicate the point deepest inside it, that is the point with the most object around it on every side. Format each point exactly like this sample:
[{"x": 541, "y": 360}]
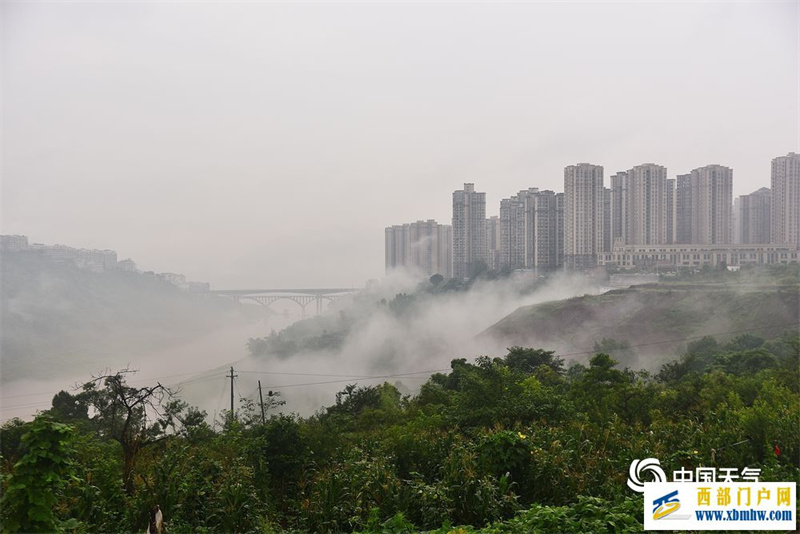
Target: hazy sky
[{"x": 269, "y": 144}]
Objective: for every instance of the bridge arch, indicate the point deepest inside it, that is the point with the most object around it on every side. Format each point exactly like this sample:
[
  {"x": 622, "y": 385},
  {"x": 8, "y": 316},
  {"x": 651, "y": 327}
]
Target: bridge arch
[{"x": 301, "y": 297}]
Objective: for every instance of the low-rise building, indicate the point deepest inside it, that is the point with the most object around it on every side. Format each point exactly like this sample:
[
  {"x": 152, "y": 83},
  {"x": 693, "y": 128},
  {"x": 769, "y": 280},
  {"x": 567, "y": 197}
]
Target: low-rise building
[
  {"x": 199, "y": 287},
  {"x": 178, "y": 280},
  {"x": 13, "y": 243},
  {"x": 127, "y": 265},
  {"x": 694, "y": 255}
]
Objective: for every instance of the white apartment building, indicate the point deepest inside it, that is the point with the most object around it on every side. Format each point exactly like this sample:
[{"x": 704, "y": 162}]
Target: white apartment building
[
  {"x": 532, "y": 230},
  {"x": 425, "y": 246},
  {"x": 493, "y": 241},
  {"x": 754, "y": 217},
  {"x": 469, "y": 231},
  {"x": 639, "y": 205},
  {"x": 785, "y": 215},
  {"x": 583, "y": 215},
  {"x": 704, "y": 204}
]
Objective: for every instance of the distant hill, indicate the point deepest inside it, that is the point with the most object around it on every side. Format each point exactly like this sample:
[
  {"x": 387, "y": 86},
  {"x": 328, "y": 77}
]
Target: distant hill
[
  {"x": 655, "y": 320},
  {"x": 55, "y": 316}
]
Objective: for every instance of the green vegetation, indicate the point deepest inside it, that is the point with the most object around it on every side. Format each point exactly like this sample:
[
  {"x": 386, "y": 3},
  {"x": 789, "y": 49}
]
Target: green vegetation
[
  {"x": 37, "y": 482},
  {"x": 779, "y": 274},
  {"x": 653, "y": 320},
  {"x": 516, "y": 444}
]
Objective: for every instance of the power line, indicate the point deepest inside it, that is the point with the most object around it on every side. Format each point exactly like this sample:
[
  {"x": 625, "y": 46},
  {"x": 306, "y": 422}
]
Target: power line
[
  {"x": 299, "y": 374},
  {"x": 219, "y": 405},
  {"x": 408, "y": 375},
  {"x": 323, "y": 374},
  {"x": 170, "y": 376},
  {"x": 4, "y": 408},
  {"x": 27, "y": 395},
  {"x": 221, "y": 398},
  {"x": 138, "y": 380},
  {"x": 238, "y": 391},
  {"x": 233, "y": 408},
  {"x": 592, "y": 351},
  {"x": 199, "y": 380},
  {"x": 49, "y": 393}
]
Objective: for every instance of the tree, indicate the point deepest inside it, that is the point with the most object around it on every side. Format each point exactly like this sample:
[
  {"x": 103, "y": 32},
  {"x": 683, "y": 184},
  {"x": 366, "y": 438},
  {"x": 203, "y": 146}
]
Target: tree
[
  {"x": 250, "y": 413},
  {"x": 35, "y": 486},
  {"x": 11, "y": 441},
  {"x": 476, "y": 269},
  {"x": 69, "y": 408},
  {"x": 621, "y": 351},
  {"x": 596, "y": 387},
  {"x": 122, "y": 415},
  {"x": 744, "y": 342},
  {"x": 526, "y": 360}
]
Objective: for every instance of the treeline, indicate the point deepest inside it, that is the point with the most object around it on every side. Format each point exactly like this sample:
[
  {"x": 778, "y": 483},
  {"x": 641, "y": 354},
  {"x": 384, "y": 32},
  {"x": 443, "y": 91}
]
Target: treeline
[{"x": 521, "y": 443}]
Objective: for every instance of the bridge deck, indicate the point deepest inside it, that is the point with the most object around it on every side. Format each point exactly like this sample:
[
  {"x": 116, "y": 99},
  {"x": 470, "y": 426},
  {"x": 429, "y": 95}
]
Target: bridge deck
[{"x": 321, "y": 291}]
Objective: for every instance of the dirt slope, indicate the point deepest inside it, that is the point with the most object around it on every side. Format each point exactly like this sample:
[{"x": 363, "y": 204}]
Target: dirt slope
[{"x": 656, "y": 320}]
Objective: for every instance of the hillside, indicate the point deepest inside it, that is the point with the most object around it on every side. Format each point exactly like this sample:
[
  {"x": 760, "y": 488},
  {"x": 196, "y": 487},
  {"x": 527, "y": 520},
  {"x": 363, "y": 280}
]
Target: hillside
[
  {"x": 55, "y": 316},
  {"x": 656, "y": 320}
]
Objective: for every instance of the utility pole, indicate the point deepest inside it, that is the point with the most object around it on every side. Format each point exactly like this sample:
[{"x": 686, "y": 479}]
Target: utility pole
[
  {"x": 232, "y": 376},
  {"x": 261, "y": 398}
]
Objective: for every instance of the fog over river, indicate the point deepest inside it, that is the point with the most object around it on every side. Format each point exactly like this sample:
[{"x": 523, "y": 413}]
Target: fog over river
[{"x": 379, "y": 345}]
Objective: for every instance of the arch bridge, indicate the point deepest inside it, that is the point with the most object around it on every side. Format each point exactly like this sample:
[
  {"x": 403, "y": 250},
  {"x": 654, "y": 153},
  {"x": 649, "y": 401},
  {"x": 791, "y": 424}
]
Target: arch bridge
[{"x": 302, "y": 297}]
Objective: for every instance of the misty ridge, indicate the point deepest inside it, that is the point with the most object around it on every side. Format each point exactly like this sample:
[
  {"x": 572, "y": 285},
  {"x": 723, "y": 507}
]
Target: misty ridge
[
  {"x": 405, "y": 326},
  {"x": 61, "y": 325},
  {"x": 645, "y": 327},
  {"x": 57, "y": 317}
]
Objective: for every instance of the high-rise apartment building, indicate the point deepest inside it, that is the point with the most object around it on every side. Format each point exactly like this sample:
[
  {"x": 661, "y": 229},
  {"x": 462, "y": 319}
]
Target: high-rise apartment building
[
  {"x": 544, "y": 231},
  {"x": 683, "y": 208},
  {"x": 469, "y": 231},
  {"x": 583, "y": 215},
  {"x": 618, "y": 214},
  {"x": 785, "y": 214},
  {"x": 639, "y": 205},
  {"x": 671, "y": 213},
  {"x": 445, "y": 251},
  {"x": 531, "y": 230},
  {"x": 608, "y": 219},
  {"x": 754, "y": 217},
  {"x": 425, "y": 246},
  {"x": 512, "y": 229},
  {"x": 704, "y": 201},
  {"x": 493, "y": 241}
]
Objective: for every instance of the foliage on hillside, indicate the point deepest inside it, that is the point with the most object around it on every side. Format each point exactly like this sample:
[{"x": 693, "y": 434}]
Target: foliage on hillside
[
  {"x": 512, "y": 444},
  {"x": 654, "y": 320}
]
